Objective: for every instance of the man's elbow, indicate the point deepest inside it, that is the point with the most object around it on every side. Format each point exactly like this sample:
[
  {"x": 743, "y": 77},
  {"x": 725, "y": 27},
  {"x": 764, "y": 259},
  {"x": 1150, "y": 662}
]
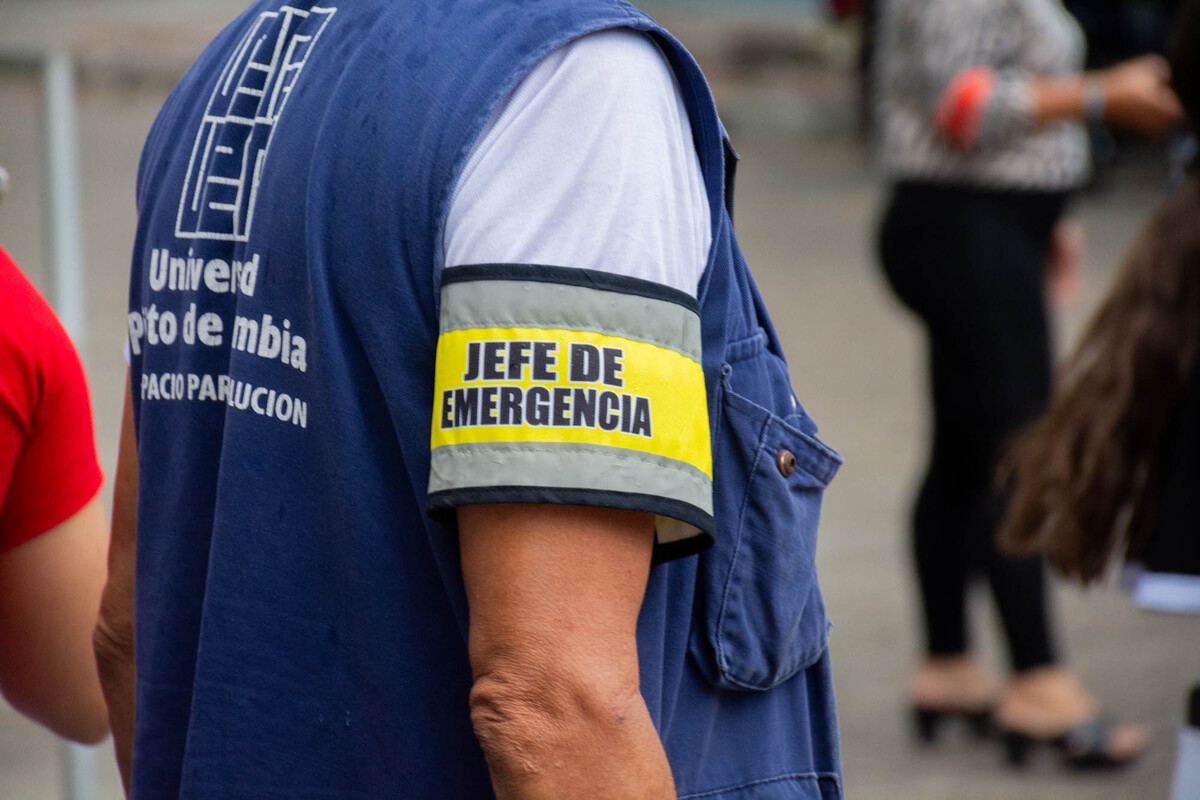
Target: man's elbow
[
  {"x": 524, "y": 715},
  {"x": 112, "y": 644}
]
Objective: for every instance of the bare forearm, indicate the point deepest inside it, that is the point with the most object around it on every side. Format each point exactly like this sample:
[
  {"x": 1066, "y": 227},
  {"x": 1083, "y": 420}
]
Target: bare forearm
[
  {"x": 554, "y": 597},
  {"x": 1134, "y": 95},
  {"x": 1058, "y": 98}
]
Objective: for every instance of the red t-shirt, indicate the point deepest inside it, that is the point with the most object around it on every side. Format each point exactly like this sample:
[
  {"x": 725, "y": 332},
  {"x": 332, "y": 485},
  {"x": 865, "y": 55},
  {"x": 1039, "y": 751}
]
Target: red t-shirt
[{"x": 48, "y": 464}]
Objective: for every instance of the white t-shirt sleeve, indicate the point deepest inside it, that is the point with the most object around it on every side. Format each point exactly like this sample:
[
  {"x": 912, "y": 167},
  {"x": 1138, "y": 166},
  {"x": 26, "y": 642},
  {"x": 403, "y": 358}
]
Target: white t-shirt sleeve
[{"x": 590, "y": 164}]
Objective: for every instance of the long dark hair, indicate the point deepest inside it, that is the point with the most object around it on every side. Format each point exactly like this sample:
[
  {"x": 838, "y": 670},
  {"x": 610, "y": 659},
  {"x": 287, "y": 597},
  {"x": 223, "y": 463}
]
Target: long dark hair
[{"x": 1086, "y": 477}]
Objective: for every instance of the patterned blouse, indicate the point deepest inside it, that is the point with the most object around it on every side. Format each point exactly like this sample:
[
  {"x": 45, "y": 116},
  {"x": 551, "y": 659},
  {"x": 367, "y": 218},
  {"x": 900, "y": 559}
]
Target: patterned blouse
[{"x": 954, "y": 99}]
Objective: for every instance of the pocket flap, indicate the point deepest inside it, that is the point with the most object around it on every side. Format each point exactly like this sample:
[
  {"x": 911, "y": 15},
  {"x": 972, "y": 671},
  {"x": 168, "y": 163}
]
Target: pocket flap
[{"x": 764, "y": 618}]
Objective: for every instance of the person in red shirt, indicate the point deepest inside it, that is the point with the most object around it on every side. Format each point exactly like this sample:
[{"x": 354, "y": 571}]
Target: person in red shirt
[{"x": 52, "y": 528}]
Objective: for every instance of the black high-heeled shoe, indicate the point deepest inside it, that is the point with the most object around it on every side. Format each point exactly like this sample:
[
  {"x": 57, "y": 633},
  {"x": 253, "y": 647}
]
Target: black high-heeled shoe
[
  {"x": 1083, "y": 746},
  {"x": 928, "y": 722}
]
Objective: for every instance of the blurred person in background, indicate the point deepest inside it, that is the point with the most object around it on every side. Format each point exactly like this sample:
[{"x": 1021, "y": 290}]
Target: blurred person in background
[
  {"x": 1114, "y": 464},
  {"x": 981, "y": 105},
  {"x": 52, "y": 528}
]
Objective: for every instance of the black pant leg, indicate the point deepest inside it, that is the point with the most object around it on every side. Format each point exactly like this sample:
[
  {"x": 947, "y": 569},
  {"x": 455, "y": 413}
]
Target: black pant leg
[{"x": 970, "y": 265}]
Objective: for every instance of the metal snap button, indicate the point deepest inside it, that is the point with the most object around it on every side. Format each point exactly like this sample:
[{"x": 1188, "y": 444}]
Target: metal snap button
[{"x": 786, "y": 462}]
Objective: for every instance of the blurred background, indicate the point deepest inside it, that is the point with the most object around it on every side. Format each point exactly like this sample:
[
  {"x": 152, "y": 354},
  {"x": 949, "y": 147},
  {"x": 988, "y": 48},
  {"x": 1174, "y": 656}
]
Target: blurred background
[{"x": 786, "y": 76}]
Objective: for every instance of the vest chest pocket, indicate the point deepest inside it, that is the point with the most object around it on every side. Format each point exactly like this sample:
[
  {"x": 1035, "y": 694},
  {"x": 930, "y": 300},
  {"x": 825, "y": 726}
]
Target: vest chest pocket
[{"x": 761, "y": 615}]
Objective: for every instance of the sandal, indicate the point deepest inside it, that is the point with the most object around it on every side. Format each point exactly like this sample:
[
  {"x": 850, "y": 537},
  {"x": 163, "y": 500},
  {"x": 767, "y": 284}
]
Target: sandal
[
  {"x": 928, "y": 721},
  {"x": 1083, "y": 746},
  {"x": 952, "y": 688}
]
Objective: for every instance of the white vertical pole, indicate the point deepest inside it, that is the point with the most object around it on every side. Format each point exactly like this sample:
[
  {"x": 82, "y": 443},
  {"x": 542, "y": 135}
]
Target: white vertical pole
[
  {"x": 79, "y": 772},
  {"x": 64, "y": 234}
]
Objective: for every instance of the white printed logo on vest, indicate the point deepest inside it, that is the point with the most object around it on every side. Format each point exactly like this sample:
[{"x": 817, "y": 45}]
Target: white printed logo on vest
[{"x": 239, "y": 123}]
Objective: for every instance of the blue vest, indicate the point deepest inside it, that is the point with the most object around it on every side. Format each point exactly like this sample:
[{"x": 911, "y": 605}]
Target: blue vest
[{"x": 301, "y": 618}]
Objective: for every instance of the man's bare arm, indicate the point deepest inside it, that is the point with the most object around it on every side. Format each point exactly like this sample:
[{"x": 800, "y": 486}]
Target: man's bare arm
[
  {"x": 554, "y": 595},
  {"x": 114, "y": 632}
]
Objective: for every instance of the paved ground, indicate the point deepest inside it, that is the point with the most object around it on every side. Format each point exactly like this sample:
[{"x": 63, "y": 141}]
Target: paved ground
[{"x": 805, "y": 209}]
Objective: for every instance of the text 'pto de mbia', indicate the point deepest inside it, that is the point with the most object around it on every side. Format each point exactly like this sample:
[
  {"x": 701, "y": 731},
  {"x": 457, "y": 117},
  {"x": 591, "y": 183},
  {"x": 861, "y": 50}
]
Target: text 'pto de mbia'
[
  {"x": 263, "y": 336},
  {"x": 170, "y": 327}
]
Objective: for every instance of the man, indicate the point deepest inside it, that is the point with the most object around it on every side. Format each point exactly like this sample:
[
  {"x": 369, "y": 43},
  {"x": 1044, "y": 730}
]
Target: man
[
  {"x": 432, "y": 306},
  {"x": 51, "y": 523}
]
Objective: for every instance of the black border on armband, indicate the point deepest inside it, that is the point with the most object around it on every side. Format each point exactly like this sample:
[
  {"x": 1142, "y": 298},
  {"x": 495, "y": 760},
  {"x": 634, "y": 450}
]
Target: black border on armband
[
  {"x": 450, "y": 499},
  {"x": 681, "y": 548},
  {"x": 569, "y": 276}
]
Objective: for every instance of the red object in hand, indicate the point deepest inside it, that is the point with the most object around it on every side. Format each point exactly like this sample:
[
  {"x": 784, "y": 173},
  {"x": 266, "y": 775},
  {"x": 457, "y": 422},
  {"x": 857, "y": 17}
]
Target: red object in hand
[{"x": 48, "y": 464}]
